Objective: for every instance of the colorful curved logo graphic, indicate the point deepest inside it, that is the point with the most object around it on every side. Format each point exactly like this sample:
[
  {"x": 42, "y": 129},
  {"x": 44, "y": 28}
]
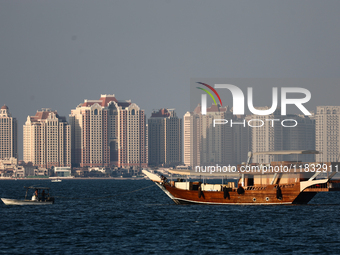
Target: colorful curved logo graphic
[{"x": 209, "y": 93}]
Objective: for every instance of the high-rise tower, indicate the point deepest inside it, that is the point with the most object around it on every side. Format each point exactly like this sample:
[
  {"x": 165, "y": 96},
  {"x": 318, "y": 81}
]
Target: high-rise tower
[
  {"x": 8, "y": 134},
  {"x": 47, "y": 139},
  {"x": 327, "y": 133},
  {"x": 165, "y": 138},
  {"x": 108, "y": 132}
]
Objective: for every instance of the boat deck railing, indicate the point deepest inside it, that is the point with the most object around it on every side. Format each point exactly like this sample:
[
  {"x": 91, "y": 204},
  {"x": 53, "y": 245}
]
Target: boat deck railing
[{"x": 255, "y": 187}]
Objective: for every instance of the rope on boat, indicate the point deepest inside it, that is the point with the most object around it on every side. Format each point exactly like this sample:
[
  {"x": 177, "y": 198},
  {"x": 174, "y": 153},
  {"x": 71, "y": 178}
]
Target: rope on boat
[{"x": 93, "y": 198}]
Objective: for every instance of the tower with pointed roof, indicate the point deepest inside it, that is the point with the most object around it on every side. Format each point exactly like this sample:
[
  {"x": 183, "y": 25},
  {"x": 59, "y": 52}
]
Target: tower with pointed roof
[{"x": 8, "y": 134}]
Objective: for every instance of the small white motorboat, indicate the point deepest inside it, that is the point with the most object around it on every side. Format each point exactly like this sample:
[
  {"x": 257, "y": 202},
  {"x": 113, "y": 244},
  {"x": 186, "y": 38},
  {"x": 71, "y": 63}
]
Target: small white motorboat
[
  {"x": 41, "y": 196},
  {"x": 56, "y": 180},
  {"x": 8, "y": 201}
]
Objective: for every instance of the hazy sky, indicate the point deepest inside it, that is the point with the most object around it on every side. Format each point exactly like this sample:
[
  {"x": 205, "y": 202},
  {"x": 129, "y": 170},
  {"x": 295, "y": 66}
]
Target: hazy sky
[{"x": 55, "y": 54}]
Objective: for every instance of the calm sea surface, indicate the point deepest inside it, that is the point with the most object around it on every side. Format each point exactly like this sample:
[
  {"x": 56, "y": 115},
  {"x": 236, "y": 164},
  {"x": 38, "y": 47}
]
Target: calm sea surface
[{"x": 148, "y": 222}]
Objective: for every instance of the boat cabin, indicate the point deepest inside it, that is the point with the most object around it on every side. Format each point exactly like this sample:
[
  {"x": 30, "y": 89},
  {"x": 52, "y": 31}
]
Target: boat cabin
[{"x": 41, "y": 194}]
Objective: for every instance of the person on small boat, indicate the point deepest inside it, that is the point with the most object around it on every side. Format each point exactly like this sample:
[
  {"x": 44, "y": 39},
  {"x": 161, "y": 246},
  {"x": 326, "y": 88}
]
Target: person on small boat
[
  {"x": 163, "y": 178},
  {"x": 35, "y": 195},
  {"x": 43, "y": 195}
]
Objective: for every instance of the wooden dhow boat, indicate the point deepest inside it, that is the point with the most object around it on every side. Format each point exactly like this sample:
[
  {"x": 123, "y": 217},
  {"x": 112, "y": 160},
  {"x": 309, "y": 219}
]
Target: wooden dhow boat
[{"x": 277, "y": 183}]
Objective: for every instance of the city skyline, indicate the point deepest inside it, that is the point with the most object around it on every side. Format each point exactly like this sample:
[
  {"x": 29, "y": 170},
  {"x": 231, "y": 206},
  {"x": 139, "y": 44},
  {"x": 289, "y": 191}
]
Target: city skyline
[
  {"x": 107, "y": 100},
  {"x": 121, "y": 135},
  {"x": 20, "y": 127},
  {"x": 112, "y": 133},
  {"x": 55, "y": 54}
]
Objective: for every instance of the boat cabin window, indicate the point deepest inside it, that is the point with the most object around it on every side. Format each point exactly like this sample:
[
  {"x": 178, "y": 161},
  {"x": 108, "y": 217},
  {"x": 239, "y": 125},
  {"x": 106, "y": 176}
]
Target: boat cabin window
[{"x": 251, "y": 180}]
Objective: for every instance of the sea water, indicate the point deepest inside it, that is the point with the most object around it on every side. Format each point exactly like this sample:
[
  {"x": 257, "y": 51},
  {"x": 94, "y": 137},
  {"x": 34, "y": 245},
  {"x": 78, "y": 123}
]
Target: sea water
[{"x": 120, "y": 217}]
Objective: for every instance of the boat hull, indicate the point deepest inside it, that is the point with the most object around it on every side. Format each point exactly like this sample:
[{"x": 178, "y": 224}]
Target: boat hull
[
  {"x": 270, "y": 194},
  {"x": 265, "y": 196},
  {"x": 8, "y": 201}
]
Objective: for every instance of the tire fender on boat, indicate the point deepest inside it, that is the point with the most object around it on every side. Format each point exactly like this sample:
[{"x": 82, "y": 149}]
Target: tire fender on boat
[
  {"x": 199, "y": 192},
  {"x": 240, "y": 190}
]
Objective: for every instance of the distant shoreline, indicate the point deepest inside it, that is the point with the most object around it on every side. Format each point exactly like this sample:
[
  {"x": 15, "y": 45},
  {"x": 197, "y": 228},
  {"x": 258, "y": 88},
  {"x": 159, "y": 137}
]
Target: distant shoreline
[{"x": 76, "y": 178}]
